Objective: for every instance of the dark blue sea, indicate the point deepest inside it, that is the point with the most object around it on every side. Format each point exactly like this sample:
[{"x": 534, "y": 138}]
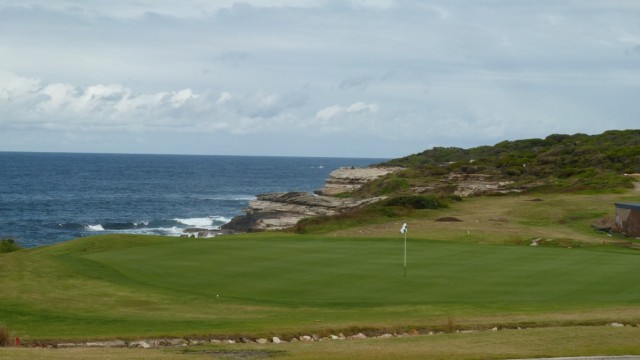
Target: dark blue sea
[{"x": 47, "y": 198}]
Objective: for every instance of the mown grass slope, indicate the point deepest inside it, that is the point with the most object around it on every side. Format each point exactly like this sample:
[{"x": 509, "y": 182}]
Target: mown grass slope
[{"x": 480, "y": 272}]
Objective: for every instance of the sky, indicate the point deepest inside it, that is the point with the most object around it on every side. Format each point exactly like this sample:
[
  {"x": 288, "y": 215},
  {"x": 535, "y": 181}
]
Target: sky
[{"x": 335, "y": 78}]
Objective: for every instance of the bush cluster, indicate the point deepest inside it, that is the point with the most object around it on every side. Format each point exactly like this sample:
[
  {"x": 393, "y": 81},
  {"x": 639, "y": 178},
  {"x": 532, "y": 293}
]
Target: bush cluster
[
  {"x": 559, "y": 162},
  {"x": 415, "y": 202},
  {"x": 9, "y": 245}
]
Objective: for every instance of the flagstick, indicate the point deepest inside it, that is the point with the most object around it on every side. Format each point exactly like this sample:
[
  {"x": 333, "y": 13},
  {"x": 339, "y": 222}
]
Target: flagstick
[{"x": 405, "y": 254}]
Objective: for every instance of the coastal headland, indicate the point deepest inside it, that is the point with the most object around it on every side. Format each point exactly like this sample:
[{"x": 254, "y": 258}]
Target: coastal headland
[{"x": 281, "y": 210}]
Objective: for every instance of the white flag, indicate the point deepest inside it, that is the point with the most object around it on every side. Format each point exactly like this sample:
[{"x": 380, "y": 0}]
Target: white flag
[{"x": 404, "y": 228}]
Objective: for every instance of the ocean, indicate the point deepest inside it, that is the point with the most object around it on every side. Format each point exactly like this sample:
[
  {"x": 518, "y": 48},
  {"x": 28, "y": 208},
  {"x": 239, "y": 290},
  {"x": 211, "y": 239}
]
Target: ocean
[{"x": 47, "y": 198}]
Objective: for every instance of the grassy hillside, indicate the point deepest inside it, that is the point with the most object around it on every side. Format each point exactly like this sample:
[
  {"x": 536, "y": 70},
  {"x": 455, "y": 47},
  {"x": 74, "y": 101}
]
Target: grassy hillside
[
  {"x": 480, "y": 271},
  {"x": 567, "y": 163}
]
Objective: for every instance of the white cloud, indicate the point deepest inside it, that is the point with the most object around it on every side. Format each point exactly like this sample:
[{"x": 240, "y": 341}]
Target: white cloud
[
  {"x": 334, "y": 111},
  {"x": 361, "y": 107},
  {"x": 225, "y": 96},
  {"x": 29, "y": 101},
  {"x": 178, "y": 98},
  {"x": 330, "y": 112}
]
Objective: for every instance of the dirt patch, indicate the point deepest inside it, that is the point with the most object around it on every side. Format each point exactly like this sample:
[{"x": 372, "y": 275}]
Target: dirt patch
[{"x": 448, "y": 219}]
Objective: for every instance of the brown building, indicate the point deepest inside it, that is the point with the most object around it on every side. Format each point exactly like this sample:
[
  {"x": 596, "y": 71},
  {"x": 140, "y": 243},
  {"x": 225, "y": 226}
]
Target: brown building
[{"x": 628, "y": 218}]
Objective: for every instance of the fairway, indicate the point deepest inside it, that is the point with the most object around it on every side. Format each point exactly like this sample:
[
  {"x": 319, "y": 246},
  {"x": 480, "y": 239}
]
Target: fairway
[{"x": 276, "y": 283}]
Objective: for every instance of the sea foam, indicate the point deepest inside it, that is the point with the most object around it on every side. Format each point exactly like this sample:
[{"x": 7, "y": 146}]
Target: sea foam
[{"x": 94, "y": 227}]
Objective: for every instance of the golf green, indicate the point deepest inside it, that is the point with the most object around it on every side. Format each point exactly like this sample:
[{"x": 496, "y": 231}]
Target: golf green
[{"x": 274, "y": 282}]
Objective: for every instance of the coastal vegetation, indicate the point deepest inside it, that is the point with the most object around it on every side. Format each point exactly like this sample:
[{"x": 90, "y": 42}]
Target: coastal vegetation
[
  {"x": 557, "y": 163},
  {"x": 9, "y": 245},
  {"x": 573, "y": 164}
]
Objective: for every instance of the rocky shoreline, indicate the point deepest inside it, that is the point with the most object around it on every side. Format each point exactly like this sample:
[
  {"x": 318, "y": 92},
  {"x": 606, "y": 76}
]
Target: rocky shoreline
[{"x": 281, "y": 210}]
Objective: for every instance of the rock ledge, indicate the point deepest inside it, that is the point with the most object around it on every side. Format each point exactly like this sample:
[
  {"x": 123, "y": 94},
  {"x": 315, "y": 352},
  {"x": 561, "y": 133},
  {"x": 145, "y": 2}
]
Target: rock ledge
[{"x": 281, "y": 210}]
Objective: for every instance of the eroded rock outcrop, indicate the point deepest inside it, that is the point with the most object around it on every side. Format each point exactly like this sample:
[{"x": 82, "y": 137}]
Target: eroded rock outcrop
[
  {"x": 281, "y": 210},
  {"x": 348, "y": 179},
  {"x": 276, "y": 211}
]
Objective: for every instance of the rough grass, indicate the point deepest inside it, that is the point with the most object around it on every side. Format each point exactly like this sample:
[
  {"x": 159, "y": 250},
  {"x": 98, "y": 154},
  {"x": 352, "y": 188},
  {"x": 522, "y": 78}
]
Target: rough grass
[
  {"x": 504, "y": 344},
  {"x": 504, "y": 219}
]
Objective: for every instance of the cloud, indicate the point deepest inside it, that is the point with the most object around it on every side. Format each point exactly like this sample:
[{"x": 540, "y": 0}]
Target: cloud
[
  {"x": 142, "y": 8},
  {"x": 330, "y": 112},
  {"x": 224, "y": 97},
  {"x": 30, "y": 103},
  {"x": 357, "y": 119},
  {"x": 389, "y": 71},
  {"x": 335, "y": 111},
  {"x": 358, "y": 82}
]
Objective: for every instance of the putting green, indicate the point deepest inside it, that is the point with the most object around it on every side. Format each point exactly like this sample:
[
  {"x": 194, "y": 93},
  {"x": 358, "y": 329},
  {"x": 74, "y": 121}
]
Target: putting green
[{"x": 123, "y": 285}]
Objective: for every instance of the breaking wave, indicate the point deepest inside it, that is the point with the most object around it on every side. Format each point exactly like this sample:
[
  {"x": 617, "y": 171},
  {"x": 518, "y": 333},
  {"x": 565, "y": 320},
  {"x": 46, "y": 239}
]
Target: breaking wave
[{"x": 167, "y": 227}]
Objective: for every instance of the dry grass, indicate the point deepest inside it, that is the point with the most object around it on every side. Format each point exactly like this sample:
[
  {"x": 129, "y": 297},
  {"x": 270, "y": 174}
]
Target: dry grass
[
  {"x": 503, "y": 344},
  {"x": 505, "y": 219},
  {"x": 5, "y": 337}
]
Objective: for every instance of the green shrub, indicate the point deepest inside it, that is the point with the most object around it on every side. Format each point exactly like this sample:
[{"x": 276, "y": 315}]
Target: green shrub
[
  {"x": 344, "y": 195},
  {"x": 415, "y": 202},
  {"x": 9, "y": 245},
  {"x": 393, "y": 185}
]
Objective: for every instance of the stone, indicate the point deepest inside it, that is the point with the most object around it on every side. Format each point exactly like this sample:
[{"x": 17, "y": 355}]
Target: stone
[
  {"x": 358, "y": 336},
  {"x": 306, "y": 338},
  {"x": 383, "y": 336},
  {"x": 276, "y": 340},
  {"x": 262, "y": 341},
  {"x": 334, "y": 337},
  {"x": 615, "y": 324},
  {"x": 494, "y": 328},
  {"x": 113, "y": 344},
  {"x": 349, "y": 179},
  {"x": 141, "y": 344}
]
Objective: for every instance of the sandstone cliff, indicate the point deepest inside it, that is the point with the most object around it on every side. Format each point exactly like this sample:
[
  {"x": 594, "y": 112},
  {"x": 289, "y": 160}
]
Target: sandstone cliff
[
  {"x": 347, "y": 179},
  {"x": 282, "y": 210}
]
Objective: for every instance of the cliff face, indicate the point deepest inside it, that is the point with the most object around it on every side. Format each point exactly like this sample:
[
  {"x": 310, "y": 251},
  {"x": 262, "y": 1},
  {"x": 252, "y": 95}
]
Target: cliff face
[
  {"x": 282, "y": 210},
  {"x": 347, "y": 179}
]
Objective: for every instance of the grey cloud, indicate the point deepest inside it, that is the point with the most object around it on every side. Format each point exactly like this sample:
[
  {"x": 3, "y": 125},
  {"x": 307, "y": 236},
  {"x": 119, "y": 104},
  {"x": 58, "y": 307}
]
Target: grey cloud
[
  {"x": 358, "y": 82},
  {"x": 234, "y": 56}
]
